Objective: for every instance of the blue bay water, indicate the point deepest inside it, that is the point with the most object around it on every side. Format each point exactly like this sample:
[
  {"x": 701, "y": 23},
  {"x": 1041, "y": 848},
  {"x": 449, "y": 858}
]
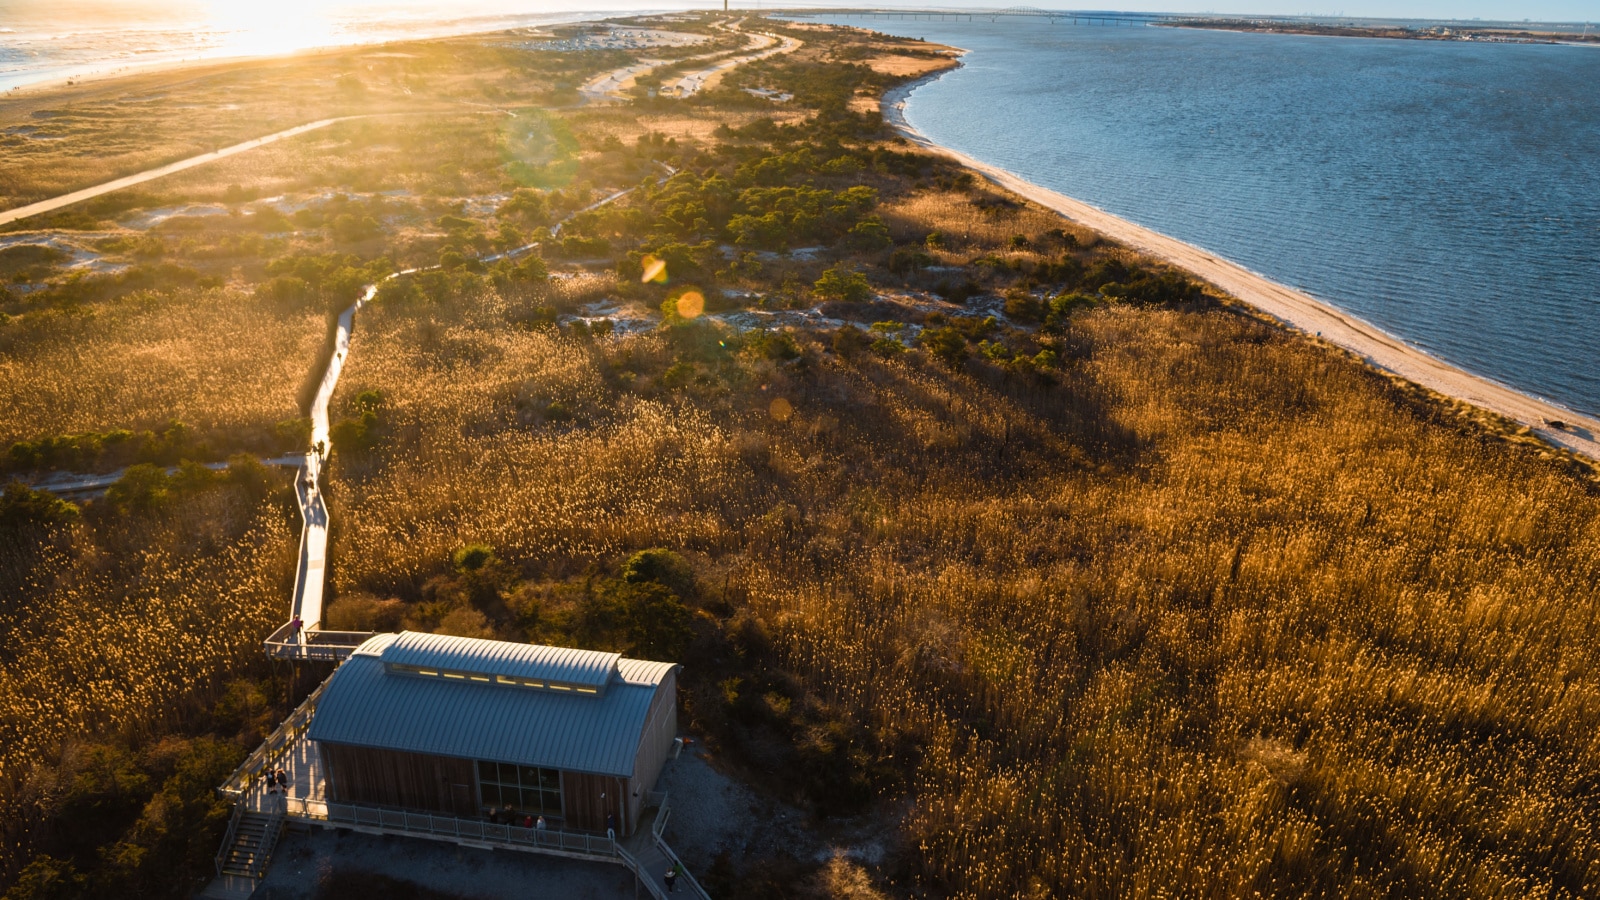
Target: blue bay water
[{"x": 1447, "y": 192}]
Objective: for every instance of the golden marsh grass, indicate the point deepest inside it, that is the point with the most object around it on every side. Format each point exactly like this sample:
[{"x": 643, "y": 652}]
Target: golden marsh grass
[
  {"x": 1219, "y": 614},
  {"x": 217, "y": 360}
]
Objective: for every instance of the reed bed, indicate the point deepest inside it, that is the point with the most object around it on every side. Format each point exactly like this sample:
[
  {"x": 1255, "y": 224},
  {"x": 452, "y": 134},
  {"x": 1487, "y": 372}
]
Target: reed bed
[
  {"x": 128, "y": 624},
  {"x": 979, "y": 220},
  {"x": 1219, "y": 614},
  {"x": 468, "y": 404},
  {"x": 219, "y": 361}
]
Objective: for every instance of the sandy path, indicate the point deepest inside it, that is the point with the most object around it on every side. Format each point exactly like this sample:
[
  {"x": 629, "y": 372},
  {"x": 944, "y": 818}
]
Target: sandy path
[
  {"x": 1294, "y": 308},
  {"x": 612, "y": 85},
  {"x": 54, "y": 203},
  {"x": 768, "y": 45}
]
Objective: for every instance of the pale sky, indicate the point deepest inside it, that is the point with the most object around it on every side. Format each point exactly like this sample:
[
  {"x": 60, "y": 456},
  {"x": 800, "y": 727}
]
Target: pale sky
[{"x": 285, "y": 12}]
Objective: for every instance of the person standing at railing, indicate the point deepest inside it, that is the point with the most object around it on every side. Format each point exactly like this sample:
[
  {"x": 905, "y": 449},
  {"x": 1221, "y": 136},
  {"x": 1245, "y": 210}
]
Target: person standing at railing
[
  {"x": 671, "y": 878},
  {"x": 611, "y": 827}
]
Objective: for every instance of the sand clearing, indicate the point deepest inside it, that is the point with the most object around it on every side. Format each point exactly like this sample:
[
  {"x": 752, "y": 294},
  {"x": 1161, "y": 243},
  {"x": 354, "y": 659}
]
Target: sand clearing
[{"x": 1294, "y": 308}]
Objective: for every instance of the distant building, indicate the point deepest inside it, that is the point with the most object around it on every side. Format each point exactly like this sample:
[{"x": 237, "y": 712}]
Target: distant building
[{"x": 462, "y": 727}]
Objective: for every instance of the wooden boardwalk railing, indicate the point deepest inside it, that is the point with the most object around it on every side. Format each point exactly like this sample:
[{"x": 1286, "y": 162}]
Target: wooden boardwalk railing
[{"x": 281, "y": 738}]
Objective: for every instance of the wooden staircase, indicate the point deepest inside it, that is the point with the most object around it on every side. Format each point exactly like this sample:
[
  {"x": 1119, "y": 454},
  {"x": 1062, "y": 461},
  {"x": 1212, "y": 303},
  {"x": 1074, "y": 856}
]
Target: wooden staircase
[{"x": 247, "y": 849}]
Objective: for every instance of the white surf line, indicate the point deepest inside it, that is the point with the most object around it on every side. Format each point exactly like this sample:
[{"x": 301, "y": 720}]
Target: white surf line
[
  {"x": 311, "y": 574},
  {"x": 1295, "y": 309},
  {"x": 54, "y": 203}
]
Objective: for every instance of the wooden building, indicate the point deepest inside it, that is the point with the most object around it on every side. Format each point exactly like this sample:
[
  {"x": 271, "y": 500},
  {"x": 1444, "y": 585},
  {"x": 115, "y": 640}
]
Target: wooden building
[{"x": 464, "y": 727}]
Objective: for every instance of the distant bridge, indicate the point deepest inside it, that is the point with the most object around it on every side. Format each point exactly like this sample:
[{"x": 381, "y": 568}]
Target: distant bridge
[{"x": 980, "y": 14}]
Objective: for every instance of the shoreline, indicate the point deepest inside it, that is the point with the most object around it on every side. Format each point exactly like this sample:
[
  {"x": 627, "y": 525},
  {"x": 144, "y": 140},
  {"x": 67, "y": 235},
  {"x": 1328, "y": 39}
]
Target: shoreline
[
  {"x": 1290, "y": 308},
  {"x": 98, "y": 72},
  {"x": 1546, "y": 39}
]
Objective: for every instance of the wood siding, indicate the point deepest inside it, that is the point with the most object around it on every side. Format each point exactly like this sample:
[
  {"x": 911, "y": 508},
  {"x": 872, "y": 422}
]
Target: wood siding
[
  {"x": 660, "y": 730},
  {"x": 587, "y": 798},
  {"x": 406, "y": 780}
]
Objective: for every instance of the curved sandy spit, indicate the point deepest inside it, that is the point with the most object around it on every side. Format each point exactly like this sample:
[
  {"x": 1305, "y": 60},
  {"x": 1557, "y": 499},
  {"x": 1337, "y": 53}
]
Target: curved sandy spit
[
  {"x": 1293, "y": 308},
  {"x": 767, "y": 45},
  {"x": 614, "y": 84}
]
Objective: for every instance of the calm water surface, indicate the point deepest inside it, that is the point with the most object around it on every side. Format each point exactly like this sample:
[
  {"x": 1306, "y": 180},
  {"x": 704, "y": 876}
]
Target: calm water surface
[{"x": 1446, "y": 192}]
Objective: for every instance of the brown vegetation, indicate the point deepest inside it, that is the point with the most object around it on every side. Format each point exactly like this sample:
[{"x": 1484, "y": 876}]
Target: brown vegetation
[
  {"x": 1189, "y": 619},
  {"x": 213, "y": 359},
  {"x": 1116, "y": 592},
  {"x": 121, "y": 623}
]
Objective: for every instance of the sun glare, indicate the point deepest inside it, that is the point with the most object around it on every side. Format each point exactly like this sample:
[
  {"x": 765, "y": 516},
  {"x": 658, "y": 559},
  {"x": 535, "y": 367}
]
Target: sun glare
[{"x": 262, "y": 29}]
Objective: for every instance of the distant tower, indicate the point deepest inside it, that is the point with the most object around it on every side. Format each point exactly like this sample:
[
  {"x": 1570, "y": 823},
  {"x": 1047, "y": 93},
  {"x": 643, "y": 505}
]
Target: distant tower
[{"x": 724, "y": 5}]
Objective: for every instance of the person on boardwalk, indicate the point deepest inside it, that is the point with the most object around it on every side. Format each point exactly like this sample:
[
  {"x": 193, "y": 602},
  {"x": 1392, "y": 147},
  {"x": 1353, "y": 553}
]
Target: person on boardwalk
[
  {"x": 539, "y": 825},
  {"x": 272, "y": 780},
  {"x": 295, "y": 624},
  {"x": 671, "y": 878},
  {"x": 611, "y": 826},
  {"x": 283, "y": 782}
]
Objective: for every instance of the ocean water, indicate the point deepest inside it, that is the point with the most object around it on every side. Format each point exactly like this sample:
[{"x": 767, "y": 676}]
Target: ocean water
[
  {"x": 48, "y": 40},
  {"x": 1446, "y": 192}
]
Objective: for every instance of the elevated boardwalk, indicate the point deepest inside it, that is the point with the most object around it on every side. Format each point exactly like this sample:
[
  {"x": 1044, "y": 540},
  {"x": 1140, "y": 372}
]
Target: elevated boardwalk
[{"x": 302, "y": 636}]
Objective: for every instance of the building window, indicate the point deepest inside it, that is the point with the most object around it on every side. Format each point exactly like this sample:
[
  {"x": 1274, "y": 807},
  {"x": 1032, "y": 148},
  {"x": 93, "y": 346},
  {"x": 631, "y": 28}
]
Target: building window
[{"x": 529, "y": 790}]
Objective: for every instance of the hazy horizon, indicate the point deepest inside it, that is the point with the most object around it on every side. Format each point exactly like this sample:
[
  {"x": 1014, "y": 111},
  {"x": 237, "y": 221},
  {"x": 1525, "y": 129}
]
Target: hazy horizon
[
  {"x": 14, "y": 13},
  {"x": 43, "y": 42}
]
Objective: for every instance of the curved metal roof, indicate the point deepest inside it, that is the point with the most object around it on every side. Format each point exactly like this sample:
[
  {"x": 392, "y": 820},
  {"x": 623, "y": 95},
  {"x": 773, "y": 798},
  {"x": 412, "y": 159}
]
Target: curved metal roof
[
  {"x": 367, "y": 704},
  {"x": 589, "y": 668}
]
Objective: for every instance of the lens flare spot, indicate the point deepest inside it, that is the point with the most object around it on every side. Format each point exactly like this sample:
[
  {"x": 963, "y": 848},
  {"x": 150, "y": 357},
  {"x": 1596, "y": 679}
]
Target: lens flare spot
[
  {"x": 654, "y": 270},
  {"x": 691, "y": 304},
  {"x": 780, "y": 409}
]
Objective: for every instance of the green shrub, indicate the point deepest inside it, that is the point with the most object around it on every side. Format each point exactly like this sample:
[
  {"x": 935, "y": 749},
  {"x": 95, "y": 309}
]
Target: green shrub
[
  {"x": 22, "y": 506},
  {"x": 849, "y": 340},
  {"x": 776, "y": 345},
  {"x": 1062, "y": 306},
  {"x": 947, "y": 344},
  {"x": 472, "y": 557},
  {"x": 888, "y": 347},
  {"x": 1022, "y": 306},
  {"x": 661, "y": 566},
  {"x": 869, "y": 234},
  {"x": 48, "y": 878},
  {"x": 285, "y": 290},
  {"x": 143, "y": 487},
  {"x": 658, "y": 622},
  {"x": 843, "y": 285},
  {"x": 905, "y": 260}
]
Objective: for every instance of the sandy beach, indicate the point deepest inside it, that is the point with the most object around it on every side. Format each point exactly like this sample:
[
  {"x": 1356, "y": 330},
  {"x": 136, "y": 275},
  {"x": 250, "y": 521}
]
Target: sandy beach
[{"x": 1295, "y": 309}]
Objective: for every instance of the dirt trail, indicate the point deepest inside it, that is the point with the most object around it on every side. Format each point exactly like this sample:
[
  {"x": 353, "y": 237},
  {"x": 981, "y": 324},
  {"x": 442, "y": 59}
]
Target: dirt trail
[
  {"x": 54, "y": 203},
  {"x": 1296, "y": 309},
  {"x": 614, "y": 84},
  {"x": 708, "y": 77}
]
